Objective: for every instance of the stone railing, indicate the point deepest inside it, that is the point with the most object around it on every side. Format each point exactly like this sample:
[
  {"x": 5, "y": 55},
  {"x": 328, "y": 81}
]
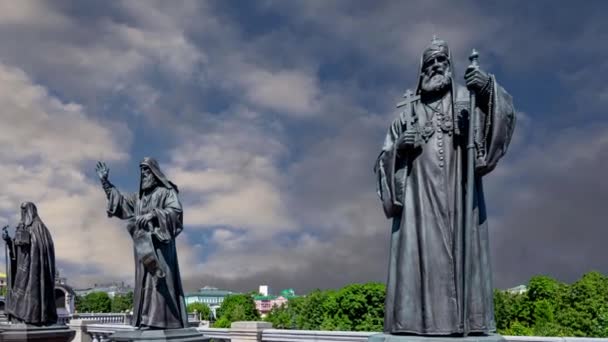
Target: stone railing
[
  {"x": 281, "y": 335},
  {"x": 91, "y": 331},
  {"x": 216, "y": 334},
  {"x": 104, "y": 318}
]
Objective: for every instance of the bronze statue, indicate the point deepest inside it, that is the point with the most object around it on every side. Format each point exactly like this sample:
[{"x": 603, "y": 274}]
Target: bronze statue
[
  {"x": 30, "y": 268},
  {"x": 154, "y": 215},
  {"x": 439, "y": 280}
]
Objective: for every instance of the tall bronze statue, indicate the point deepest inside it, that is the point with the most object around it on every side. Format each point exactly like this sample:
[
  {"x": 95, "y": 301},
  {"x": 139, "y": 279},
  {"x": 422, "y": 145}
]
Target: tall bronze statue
[
  {"x": 30, "y": 261},
  {"x": 154, "y": 216},
  {"x": 440, "y": 280}
]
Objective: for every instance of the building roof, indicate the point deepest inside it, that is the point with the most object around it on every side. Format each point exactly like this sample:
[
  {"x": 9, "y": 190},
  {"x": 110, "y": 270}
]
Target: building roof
[
  {"x": 269, "y": 297},
  {"x": 210, "y": 292},
  {"x": 286, "y": 293}
]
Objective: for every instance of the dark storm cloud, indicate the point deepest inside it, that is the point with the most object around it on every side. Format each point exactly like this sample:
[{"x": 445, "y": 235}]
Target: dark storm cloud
[{"x": 284, "y": 105}]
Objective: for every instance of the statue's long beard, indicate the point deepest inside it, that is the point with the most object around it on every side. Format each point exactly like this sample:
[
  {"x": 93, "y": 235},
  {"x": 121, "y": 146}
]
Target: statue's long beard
[
  {"x": 148, "y": 183},
  {"x": 437, "y": 83}
]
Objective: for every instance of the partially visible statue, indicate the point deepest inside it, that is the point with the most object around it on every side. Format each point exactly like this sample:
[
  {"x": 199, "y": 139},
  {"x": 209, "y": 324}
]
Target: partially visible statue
[
  {"x": 155, "y": 219},
  {"x": 440, "y": 280},
  {"x": 30, "y": 272}
]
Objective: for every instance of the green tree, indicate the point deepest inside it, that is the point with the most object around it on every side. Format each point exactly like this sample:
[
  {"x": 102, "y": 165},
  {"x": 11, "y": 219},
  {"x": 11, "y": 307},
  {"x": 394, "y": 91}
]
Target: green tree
[
  {"x": 95, "y": 302},
  {"x": 283, "y": 317},
  {"x": 202, "y": 309},
  {"x": 356, "y": 307},
  {"x": 122, "y": 303},
  {"x": 238, "y": 307},
  {"x": 583, "y": 306},
  {"x": 311, "y": 309}
]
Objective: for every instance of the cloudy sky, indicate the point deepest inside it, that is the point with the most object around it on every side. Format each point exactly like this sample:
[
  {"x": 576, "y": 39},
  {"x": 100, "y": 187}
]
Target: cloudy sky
[{"x": 269, "y": 116}]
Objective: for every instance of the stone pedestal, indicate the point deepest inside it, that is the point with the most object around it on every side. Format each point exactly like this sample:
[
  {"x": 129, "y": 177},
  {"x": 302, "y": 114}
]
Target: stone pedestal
[
  {"x": 173, "y": 335},
  {"x": 416, "y": 338},
  {"x": 25, "y": 333},
  {"x": 248, "y": 331}
]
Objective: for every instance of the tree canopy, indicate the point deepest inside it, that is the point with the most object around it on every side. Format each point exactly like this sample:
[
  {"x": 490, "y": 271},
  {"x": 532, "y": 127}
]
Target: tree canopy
[
  {"x": 546, "y": 308},
  {"x": 98, "y": 302},
  {"x": 237, "y": 307},
  {"x": 201, "y": 309}
]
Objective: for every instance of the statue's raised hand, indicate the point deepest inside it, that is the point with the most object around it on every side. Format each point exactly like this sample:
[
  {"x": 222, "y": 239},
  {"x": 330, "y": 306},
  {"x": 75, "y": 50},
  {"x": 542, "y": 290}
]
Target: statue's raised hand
[{"x": 102, "y": 170}]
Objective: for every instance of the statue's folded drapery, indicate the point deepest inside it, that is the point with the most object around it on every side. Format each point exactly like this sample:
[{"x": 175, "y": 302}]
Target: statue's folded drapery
[
  {"x": 423, "y": 191},
  {"x": 31, "y": 291}
]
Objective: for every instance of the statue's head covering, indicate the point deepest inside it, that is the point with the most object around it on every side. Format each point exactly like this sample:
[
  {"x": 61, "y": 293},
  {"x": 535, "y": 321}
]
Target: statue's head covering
[
  {"x": 152, "y": 164},
  {"x": 435, "y": 48},
  {"x": 28, "y": 213}
]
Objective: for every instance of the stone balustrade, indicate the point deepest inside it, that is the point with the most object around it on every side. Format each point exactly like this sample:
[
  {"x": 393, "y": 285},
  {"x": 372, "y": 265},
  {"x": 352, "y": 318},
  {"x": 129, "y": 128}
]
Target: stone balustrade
[
  {"x": 92, "y": 331},
  {"x": 282, "y": 335},
  {"x": 104, "y": 318}
]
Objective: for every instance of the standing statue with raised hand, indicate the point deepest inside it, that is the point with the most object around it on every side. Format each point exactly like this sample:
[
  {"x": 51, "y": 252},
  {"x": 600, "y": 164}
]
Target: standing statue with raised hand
[
  {"x": 439, "y": 279},
  {"x": 154, "y": 216}
]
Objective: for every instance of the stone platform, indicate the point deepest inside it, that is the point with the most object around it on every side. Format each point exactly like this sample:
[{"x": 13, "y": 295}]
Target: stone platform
[
  {"x": 173, "y": 335},
  {"x": 26, "y": 333},
  {"x": 417, "y": 338}
]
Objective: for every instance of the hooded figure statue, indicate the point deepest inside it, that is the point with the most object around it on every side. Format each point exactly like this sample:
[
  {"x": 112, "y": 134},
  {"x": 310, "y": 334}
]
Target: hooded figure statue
[
  {"x": 155, "y": 219},
  {"x": 30, "y": 297},
  {"x": 421, "y": 181}
]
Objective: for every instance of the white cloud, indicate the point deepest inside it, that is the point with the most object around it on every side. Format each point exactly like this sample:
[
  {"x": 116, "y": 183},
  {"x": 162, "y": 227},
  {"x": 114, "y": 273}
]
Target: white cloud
[
  {"x": 285, "y": 91},
  {"x": 44, "y": 146},
  {"x": 230, "y": 176}
]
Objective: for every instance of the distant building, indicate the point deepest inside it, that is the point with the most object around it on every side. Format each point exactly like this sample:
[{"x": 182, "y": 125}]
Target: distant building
[
  {"x": 212, "y": 296},
  {"x": 264, "y": 290},
  {"x": 112, "y": 289},
  {"x": 518, "y": 289},
  {"x": 265, "y": 303}
]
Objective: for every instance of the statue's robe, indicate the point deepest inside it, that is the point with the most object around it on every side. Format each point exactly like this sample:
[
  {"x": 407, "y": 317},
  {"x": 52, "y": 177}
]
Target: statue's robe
[
  {"x": 31, "y": 294},
  {"x": 423, "y": 191},
  {"x": 157, "y": 302}
]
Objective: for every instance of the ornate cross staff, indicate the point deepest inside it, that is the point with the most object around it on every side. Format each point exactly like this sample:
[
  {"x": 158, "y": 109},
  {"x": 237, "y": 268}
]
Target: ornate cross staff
[{"x": 469, "y": 210}]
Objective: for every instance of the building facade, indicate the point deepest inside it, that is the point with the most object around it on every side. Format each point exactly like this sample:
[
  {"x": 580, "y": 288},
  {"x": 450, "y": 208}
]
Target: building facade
[
  {"x": 265, "y": 303},
  {"x": 211, "y": 296},
  {"x": 112, "y": 289}
]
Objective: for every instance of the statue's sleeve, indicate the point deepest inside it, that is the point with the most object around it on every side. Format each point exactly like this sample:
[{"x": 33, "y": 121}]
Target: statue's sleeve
[
  {"x": 385, "y": 171},
  {"x": 498, "y": 123},
  {"x": 119, "y": 205},
  {"x": 169, "y": 217}
]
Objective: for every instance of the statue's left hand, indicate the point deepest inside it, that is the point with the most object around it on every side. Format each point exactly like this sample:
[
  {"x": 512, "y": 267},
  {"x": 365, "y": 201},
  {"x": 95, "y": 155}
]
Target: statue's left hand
[
  {"x": 143, "y": 220},
  {"x": 476, "y": 79}
]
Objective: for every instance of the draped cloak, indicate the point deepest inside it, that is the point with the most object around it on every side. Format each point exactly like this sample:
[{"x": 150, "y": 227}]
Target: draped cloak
[
  {"x": 31, "y": 292},
  {"x": 423, "y": 191},
  {"x": 157, "y": 302}
]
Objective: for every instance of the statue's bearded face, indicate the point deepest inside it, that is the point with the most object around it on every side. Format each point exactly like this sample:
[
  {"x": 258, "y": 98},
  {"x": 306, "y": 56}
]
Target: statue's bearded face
[
  {"x": 436, "y": 74},
  {"x": 148, "y": 180}
]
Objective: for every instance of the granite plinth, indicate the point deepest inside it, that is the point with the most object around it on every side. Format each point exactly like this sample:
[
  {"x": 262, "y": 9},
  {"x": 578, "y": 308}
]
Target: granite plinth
[
  {"x": 173, "y": 335},
  {"x": 418, "y": 338},
  {"x": 26, "y": 333}
]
